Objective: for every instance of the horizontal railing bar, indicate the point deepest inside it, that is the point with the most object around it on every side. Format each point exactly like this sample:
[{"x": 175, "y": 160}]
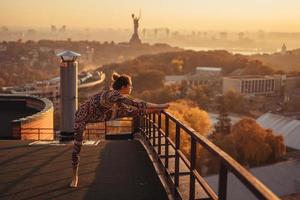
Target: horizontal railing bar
[
  {"x": 205, "y": 185},
  {"x": 160, "y": 145},
  {"x": 119, "y": 119},
  {"x": 58, "y": 129},
  {"x": 170, "y": 156},
  {"x": 180, "y": 173},
  {"x": 184, "y": 159},
  {"x": 172, "y": 182},
  {"x": 118, "y": 126},
  {"x": 161, "y": 131},
  {"x": 171, "y": 142},
  {"x": 38, "y": 128}
]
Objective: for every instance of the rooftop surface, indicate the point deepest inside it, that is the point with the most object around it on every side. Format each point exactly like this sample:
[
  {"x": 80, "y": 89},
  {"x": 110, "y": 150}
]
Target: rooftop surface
[{"x": 115, "y": 169}]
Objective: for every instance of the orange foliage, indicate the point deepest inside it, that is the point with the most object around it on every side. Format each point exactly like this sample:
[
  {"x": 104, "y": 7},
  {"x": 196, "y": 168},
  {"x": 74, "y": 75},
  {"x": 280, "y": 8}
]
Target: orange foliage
[
  {"x": 254, "y": 144},
  {"x": 192, "y": 116}
]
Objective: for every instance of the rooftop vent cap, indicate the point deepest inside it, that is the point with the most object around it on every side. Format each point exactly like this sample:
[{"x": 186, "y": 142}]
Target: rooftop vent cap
[{"x": 68, "y": 56}]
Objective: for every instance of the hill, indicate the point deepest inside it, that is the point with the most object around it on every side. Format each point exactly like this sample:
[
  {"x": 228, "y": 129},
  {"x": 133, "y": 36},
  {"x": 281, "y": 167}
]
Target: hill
[
  {"x": 182, "y": 62},
  {"x": 288, "y": 61}
]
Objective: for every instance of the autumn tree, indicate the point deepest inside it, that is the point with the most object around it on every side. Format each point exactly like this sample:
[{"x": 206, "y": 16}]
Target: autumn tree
[
  {"x": 254, "y": 144},
  {"x": 276, "y": 142},
  {"x": 192, "y": 116},
  {"x": 248, "y": 143}
]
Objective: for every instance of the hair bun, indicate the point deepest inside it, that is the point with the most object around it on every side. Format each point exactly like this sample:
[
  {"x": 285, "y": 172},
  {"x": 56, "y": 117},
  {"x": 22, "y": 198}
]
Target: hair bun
[{"x": 115, "y": 76}]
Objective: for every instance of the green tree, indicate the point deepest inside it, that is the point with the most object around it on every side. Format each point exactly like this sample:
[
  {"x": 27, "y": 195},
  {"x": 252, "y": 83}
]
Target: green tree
[
  {"x": 200, "y": 95},
  {"x": 234, "y": 102},
  {"x": 148, "y": 80}
]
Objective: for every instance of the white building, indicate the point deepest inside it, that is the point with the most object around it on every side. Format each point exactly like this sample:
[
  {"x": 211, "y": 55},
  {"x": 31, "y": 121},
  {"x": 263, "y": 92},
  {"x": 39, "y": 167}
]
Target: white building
[
  {"x": 201, "y": 76},
  {"x": 273, "y": 85},
  {"x": 208, "y": 71},
  {"x": 254, "y": 85},
  {"x": 175, "y": 79}
]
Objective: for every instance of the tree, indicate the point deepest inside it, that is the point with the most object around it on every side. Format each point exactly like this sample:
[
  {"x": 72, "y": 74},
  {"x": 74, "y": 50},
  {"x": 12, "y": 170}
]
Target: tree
[
  {"x": 223, "y": 124},
  {"x": 192, "y": 116},
  {"x": 234, "y": 102},
  {"x": 200, "y": 95},
  {"x": 254, "y": 144},
  {"x": 248, "y": 143},
  {"x": 148, "y": 80},
  {"x": 276, "y": 143}
]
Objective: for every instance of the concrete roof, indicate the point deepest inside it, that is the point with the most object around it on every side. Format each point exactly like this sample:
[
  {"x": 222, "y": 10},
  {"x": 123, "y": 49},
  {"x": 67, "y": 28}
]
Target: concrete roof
[{"x": 115, "y": 169}]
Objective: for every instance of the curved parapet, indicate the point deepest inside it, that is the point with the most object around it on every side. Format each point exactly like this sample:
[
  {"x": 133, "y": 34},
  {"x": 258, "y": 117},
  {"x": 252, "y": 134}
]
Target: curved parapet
[{"x": 26, "y": 117}]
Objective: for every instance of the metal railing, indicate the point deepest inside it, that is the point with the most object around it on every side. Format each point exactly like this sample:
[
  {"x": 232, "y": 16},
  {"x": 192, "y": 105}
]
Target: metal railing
[
  {"x": 151, "y": 127},
  {"x": 100, "y": 129}
]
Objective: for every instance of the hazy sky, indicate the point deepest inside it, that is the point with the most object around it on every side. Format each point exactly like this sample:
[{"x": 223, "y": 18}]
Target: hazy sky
[{"x": 269, "y": 15}]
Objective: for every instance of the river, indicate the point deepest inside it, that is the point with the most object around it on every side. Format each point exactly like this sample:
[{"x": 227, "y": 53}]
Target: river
[{"x": 248, "y": 51}]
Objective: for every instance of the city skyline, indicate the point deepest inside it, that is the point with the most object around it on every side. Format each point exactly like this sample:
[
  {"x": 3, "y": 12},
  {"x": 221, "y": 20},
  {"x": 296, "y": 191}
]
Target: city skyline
[{"x": 214, "y": 15}]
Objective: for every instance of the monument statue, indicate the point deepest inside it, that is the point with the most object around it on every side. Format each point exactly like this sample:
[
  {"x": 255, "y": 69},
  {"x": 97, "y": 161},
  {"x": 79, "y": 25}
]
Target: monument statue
[{"x": 135, "y": 40}]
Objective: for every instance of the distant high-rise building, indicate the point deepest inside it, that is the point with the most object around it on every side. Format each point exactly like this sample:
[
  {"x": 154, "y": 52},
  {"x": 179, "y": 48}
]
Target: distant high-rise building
[
  {"x": 53, "y": 28},
  {"x": 241, "y": 36},
  {"x": 223, "y": 35},
  {"x": 283, "y": 48},
  {"x": 63, "y": 28},
  {"x": 167, "y": 32}
]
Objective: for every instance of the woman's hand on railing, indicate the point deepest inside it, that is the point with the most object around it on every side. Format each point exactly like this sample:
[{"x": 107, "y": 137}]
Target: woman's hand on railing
[{"x": 157, "y": 108}]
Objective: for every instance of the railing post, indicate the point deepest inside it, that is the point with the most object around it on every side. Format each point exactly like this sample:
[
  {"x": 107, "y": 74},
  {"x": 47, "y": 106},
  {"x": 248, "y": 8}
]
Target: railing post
[
  {"x": 39, "y": 132},
  {"x": 144, "y": 123},
  {"x": 153, "y": 129},
  {"x": 166, "y": 142},
  {"x": 145, "y": 126},
  {"x": 149, "y": 129},
  {"x": 141, "y": 119},
  {"x": 159, "y": 138},
  {"x": 222, "y": 182},
  {"x": 193, "y": 166},
  {"x": 105, "y": 128},
  {"x": 177, "y": 145},
  {"x": 136, "y": 124}
]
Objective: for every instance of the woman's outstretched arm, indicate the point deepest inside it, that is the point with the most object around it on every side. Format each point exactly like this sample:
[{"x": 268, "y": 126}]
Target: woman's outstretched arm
[{"x": 116, "y": 97}]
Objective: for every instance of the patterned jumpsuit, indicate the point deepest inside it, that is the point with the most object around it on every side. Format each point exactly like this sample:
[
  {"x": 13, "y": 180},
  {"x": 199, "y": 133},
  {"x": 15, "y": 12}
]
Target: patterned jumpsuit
[{"x": 104, "y": 106}]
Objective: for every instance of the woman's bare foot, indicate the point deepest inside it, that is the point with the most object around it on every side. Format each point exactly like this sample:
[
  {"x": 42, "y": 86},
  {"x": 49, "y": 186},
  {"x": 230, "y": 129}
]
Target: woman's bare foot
[{"x": 74, "y": 182}]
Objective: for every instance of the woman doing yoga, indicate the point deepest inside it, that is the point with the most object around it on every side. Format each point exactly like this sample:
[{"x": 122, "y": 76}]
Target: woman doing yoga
[{"x": 107, "y": 105}]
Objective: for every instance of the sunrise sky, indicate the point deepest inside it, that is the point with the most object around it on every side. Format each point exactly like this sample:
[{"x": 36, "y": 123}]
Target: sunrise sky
[{"x": 270, "y": 15}]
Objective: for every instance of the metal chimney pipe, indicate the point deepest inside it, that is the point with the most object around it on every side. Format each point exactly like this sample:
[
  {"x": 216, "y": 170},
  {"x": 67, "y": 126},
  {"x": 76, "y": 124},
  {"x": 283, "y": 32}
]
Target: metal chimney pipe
[{"x": 68, "y": 94}]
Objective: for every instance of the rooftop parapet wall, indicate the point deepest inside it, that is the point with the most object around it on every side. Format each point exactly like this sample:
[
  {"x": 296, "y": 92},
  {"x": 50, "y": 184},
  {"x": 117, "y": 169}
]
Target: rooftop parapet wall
[{"x": 26, "y": 128}]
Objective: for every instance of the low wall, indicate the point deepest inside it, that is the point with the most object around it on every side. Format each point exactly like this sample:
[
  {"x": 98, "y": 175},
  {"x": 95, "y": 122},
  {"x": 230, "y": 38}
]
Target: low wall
[{"x": 34, "y": 126}]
